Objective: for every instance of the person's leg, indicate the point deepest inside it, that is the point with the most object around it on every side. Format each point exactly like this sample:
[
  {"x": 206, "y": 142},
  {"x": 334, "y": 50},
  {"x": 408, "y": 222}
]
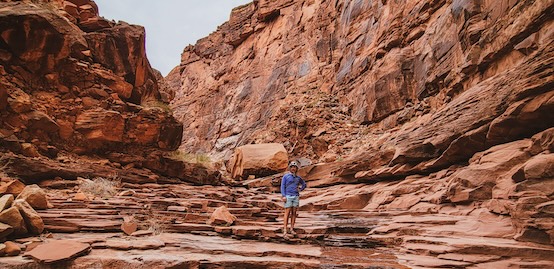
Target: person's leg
[
  {"x": 294, "y": 212},
  {"x": 288, "y": 206},
  {"x": 286, "y": 220},
  {"x": 293, "y": 219}
]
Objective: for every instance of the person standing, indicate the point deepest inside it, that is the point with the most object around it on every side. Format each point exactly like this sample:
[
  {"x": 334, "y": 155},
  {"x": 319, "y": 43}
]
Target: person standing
[{"x": 291, "y": 185}]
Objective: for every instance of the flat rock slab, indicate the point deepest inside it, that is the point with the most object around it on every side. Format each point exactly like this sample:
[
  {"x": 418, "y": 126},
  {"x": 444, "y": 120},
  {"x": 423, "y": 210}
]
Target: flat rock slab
[
  {"x": 123, "y": 244},
  {"x": 58, "y": 250},
  {"x": 431, "y": 262},
  {"x": 189, "y": 227}
]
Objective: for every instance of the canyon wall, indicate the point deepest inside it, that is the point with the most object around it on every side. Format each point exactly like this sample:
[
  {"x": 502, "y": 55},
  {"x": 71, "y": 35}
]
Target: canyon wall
[
  {"x": 433, "y": 106},
  {"x": 75, "y": 84},
  {"x": 316, "y": 75}
]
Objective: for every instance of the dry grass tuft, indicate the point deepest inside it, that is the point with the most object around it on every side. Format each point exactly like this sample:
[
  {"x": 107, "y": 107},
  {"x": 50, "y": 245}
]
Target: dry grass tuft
[
  {"x": 192, "y": 158},
  {"x": 153, "y": 221},
  {"x": 101, "y": 187},
  {"x": 158, "y": 104},
  {"x": 155, "y": 226}
]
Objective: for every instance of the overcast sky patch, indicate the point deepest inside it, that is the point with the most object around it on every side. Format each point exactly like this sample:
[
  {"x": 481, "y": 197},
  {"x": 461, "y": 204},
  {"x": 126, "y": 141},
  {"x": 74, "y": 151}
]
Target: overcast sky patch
[{"x": 170, "y": 25}]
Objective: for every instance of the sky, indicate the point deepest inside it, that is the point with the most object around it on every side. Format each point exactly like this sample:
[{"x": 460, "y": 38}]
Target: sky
[{"x": 170, "y": 25}]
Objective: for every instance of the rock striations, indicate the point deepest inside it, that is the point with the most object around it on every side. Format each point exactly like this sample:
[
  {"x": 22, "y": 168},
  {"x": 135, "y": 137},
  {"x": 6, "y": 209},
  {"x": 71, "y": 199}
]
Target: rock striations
[
  {"x": 435, "y": 107},
  {"x": 424, "y": 129},
  {"x": 308, "y": 73},
  {"x": 75, "y": 84}
]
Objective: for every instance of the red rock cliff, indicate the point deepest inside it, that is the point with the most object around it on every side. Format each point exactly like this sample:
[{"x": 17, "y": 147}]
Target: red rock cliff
[
  {"x": 75, "y": 83},
  {"x": 305, "y": 73},
  {"x": 457, "y": 95}
]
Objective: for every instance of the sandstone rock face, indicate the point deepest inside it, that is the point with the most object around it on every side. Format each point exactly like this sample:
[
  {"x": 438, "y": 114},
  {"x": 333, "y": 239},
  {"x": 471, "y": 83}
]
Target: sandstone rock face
[
  {"x": 122, "y": 51},
  {"x": 128, "y": 76},
  {"x": 452, "y": 100},
  {"x": 258, "y": 160},
  {"x": 169, "y": 84},
  {"x": 429, "y": 123},
  {"x": 306, "y": 73},
  {"x": 79, "y": 85}
]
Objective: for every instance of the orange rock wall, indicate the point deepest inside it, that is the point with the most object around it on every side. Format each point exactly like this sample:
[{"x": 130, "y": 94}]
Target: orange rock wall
[
  {"x": 448, "y": 103},
  {"x": 308, "y": 73},
  {"x": 73, "y": 82}
]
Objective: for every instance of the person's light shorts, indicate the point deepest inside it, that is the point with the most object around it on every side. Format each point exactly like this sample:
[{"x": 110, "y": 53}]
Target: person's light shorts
[{"x": 292, "y": 201}]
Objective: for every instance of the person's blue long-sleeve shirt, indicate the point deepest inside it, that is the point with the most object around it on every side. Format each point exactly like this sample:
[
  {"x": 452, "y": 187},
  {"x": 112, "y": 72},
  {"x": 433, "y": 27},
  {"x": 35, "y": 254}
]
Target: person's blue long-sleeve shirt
[{"x": 289, "y": 185}]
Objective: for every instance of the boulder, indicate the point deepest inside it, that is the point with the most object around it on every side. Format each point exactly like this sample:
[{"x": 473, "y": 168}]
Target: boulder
[
  {"x": 29, "y": 150},
  {"x": 14, "y": 187},
  {"x": 222, "y": 216},
  {"x": 34, "y": 222},
  {"x": 259, "y": 160},
  {"x": 129, "y": 226},
  {"x": 6, "y": 201},
  {"x": 100, "y": 125},
  {"x": 5, "y": 230},
  {"x": 538, "y": 167},
  {"x": 13, "y": 217},
  {"x": 58, "y": 250},
  {"x": 35, "y": 196},
  {"x": 12, "y": 249},
  {"x": 80, "y": 196}
]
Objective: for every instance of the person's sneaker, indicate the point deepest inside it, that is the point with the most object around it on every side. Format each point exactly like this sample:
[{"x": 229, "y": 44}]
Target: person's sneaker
[{"x": 292, "y": 232}]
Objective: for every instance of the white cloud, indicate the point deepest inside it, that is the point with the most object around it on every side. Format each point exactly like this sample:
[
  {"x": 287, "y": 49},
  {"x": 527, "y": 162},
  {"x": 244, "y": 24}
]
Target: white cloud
[{"x": 170, "y": 24}]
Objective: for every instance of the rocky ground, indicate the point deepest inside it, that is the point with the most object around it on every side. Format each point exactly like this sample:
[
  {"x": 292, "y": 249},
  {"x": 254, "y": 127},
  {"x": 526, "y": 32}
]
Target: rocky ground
[{"x": 172, "y": 231}]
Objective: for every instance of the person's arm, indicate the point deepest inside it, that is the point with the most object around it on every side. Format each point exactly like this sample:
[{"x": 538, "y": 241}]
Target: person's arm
[
  {"x": 283, "y": 185},
  {"x": 303, "y": 183}
]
